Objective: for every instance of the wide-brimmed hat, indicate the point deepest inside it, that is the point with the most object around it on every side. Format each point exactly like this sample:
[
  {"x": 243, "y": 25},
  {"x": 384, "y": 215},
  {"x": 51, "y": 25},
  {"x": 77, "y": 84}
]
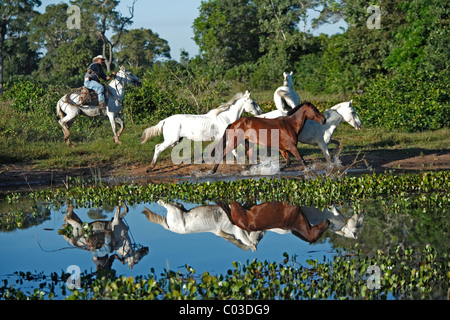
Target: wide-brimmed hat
[{"x": 99, "y": 57}]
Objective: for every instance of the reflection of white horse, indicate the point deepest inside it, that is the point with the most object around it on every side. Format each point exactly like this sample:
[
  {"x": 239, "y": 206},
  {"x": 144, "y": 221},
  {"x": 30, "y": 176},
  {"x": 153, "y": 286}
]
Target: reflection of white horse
[
  {"x": 67, "y": 112},
  {"x": 210, "y": 218},
  {"x": 285, "y": 97},
  {"x": 316, "y": 134},
  {"x": 98, "y": 230},
  {"x": 347, "y": 228},
  {"x": 203, "y": 127}
]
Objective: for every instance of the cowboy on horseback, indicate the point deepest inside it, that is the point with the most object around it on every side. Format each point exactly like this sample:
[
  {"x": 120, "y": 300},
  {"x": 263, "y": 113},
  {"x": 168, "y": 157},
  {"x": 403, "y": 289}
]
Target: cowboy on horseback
[{"x": 92, "y": 78}]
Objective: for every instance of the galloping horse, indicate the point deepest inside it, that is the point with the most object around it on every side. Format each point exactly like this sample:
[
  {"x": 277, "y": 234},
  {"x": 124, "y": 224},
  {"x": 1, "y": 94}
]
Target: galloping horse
[
  {"x": 277, "y": 215},
  {"x": 288, "y": 128},
  {"x": 210, "y": 218},
  {"x": 204, "y": 127},
  {"x": 69, "y": 107},
  {"x": 285, "y": 97},
  {"x": 315, "y": 134}
]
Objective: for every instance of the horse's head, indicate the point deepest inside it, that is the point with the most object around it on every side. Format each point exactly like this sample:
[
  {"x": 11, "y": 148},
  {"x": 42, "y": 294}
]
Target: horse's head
[
  {"x": 352, "y": 227},
  {"x": 288, "y": 81},
  {"x": 312, "y": 113},
  {"x": 133, "y": 257},
  {"x": 127, "y": 76},
  {"x": 349, "y": 114},
  {"x": 250, "y": 105}
]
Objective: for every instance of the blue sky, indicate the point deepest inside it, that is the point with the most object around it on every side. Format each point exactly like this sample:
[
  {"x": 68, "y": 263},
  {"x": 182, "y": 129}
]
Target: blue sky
[{"x": 172, "y": 20}]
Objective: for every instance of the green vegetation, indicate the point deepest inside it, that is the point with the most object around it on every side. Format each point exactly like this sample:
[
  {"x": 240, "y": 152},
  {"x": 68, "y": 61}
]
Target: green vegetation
[
  {"x": 406, "y": 273},
  {"x": 407, "y": 190}
]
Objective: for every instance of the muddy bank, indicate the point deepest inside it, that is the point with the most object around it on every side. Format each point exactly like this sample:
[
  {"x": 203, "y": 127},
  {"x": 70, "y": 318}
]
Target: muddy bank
[{"x": 24, "y": 177}]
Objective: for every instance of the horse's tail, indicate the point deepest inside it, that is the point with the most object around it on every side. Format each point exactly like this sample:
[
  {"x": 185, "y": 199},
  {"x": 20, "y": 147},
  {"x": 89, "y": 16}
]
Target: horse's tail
[
  {"x": 152, "y": 132},
  {"x": 155, "y": 218}
]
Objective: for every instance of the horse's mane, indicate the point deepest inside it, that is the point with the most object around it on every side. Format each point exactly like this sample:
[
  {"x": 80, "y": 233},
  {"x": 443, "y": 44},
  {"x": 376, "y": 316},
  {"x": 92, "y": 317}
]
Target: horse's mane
[
  {"x": 292, "y": 111},
  {"x": 225, "y": 106},
  {"x": 333, "y": 110}
]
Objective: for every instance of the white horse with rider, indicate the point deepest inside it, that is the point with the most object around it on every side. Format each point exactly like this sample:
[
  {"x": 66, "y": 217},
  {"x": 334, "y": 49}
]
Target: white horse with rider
[{"x": 71, "y": 105}]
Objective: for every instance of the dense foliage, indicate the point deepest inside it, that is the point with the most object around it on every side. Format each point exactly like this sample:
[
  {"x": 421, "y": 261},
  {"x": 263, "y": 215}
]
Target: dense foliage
[{"x": 401, "y": 67}]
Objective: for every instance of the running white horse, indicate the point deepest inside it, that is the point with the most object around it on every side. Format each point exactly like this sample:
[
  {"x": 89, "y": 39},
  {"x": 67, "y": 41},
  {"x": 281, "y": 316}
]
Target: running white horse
[
  {"x": 347, "y": 228},
  {"x": 285, "y": 97},
  {"x": 68, "y": 108},
  {"x": 316, "y": 134},
  {"x": 204, "y": 127},
  {"x": 94, "y": 234},
  {"x": 210, "y": 218}
]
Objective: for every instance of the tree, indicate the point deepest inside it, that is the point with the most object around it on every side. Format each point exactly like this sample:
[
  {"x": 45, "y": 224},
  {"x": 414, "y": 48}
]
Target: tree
[
  {"x": 227, "y": 32},
  {"x": 14, "y": 19},
  {"x": 422, "y": 42},
  {"x": 106, "y": 18},
  {"x": 68, "y": 52},
  {"x": 140, "y": 48}
]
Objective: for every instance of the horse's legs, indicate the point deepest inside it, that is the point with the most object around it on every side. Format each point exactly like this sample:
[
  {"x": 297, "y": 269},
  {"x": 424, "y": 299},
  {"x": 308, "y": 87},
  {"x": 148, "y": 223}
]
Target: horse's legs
[
  {"x": 159, "y": 148},
  {"x": 338, "y": 146},
  {"x": 296, "y": 154},
  {"x": 229, "y": 142},
  {"x": 111, "y": 118},
  {"x": 285, "y": 155},
  {"x": 310, "y": 233},
  {"x": 122, "y": 125},
  {"x": 324, "y": 147},
  {"x": 65, "y": 123}
]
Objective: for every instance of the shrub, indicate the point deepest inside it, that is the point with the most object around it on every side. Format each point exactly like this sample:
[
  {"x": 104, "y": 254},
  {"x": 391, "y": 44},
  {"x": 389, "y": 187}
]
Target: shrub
[
  {"x": 148, "y": 103},
  {"x": 406, "y": 101}
]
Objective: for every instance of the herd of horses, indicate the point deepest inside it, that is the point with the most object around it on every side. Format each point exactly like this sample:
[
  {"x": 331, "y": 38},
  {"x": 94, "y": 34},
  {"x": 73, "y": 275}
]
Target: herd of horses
[
  {"x": 242, "y": 224},
  {"x": 292, "y": 121}
]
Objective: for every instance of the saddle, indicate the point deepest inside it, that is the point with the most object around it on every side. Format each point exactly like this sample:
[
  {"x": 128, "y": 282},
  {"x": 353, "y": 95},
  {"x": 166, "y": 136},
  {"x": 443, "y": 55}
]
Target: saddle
[{"x": 88, "y": 97}]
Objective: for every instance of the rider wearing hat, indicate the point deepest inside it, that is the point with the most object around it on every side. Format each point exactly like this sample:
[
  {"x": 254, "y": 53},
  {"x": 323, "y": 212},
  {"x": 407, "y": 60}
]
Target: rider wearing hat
[{"x": 92, "y": 78}]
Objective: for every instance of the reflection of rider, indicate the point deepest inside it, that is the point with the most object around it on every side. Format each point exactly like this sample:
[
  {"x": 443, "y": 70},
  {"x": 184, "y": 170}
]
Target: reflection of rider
[
  {"x": 100, "y": 255},
  {"x": 92, "y": 79}
]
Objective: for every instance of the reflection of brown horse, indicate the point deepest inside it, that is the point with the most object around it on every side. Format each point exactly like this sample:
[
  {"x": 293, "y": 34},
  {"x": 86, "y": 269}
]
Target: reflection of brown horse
[
  {"x": 260, "y": 131},
  {"x": 276, "y": 215}
]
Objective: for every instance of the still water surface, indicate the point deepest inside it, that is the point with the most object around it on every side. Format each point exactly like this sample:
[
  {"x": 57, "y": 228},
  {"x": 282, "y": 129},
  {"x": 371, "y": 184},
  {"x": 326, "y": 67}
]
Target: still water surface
[{"x": 41, "y": 249}]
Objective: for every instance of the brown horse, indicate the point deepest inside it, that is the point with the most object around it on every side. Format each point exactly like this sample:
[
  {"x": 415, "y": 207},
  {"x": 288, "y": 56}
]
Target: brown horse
[
  {"x": 276, "y": 215},
  {"x": 287, "y": 128}
]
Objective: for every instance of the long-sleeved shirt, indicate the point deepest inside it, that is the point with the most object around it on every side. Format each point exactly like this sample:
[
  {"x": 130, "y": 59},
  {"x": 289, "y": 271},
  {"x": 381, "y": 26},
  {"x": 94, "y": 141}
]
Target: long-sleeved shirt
[{"x": 96, "y": 72}]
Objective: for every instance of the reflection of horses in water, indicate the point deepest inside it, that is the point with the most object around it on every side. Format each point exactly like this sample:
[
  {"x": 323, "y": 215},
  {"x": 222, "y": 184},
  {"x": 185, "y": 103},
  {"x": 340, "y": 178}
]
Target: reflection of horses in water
[
  {"x": 210, "y": 218},
  {"x": 347, "y": 228},
  {"x": 100, "y": 235},
  {"x": 277, "y": 215}
]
